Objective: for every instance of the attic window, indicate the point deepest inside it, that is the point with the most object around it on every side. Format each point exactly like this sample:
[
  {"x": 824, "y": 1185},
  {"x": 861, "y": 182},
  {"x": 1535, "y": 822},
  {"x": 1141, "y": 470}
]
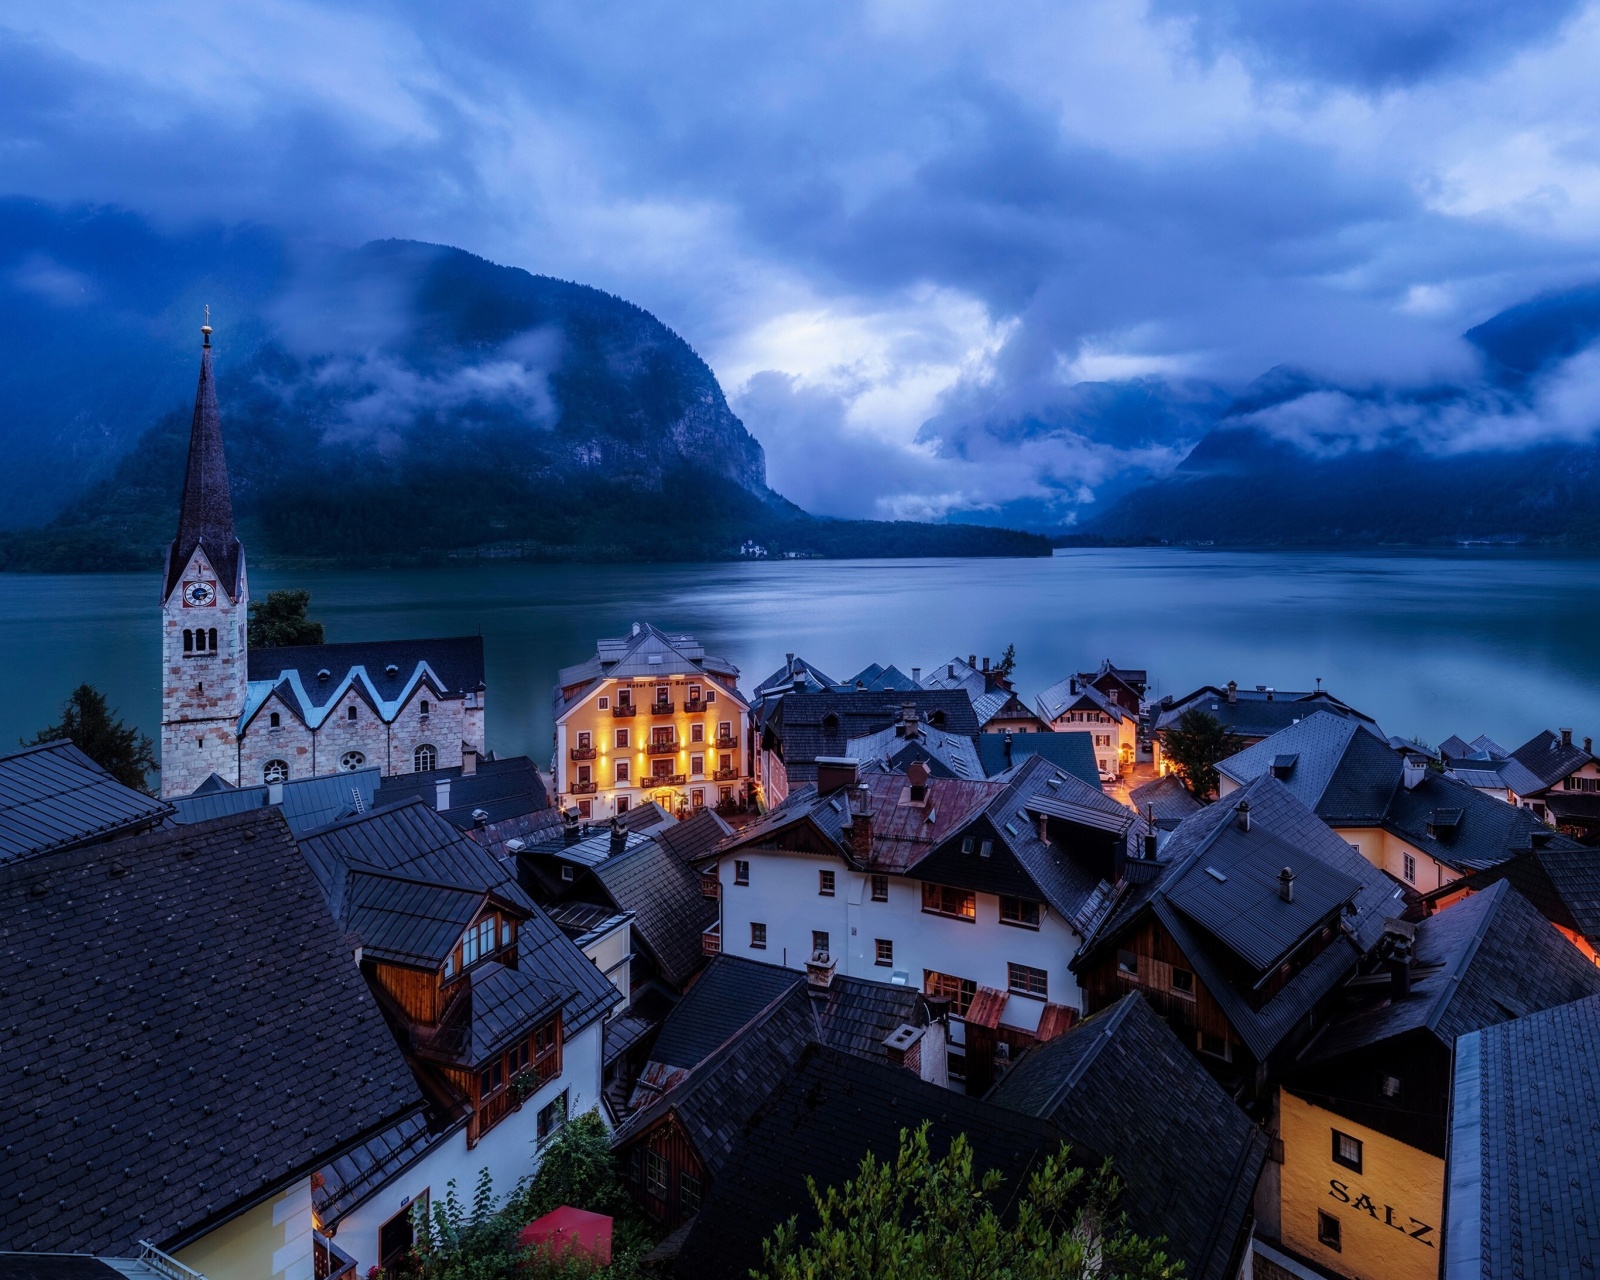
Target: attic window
[
  {"x": 654, "y": 660},
  {"x": 1216, "y": 875},
  {"x": 1011, "y": 828},
  {"x": 350, "y": 713},
  {"x": 830, "y": 723},
  {"x": 391, "y": 670},
  {"x": 274, "y": 720},
  {"x": 324, "y": 674}
]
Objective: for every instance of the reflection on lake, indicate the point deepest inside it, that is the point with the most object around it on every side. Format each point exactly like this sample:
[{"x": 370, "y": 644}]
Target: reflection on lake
[{"x": 1430, "y": 645}]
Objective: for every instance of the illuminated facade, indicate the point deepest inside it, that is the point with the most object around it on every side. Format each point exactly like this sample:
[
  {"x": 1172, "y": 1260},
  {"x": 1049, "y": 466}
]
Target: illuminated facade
[{"x": 651, "y": 717}]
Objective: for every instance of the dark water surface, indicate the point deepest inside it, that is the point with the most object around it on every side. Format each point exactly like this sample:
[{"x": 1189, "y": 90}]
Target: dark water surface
[{"x": 1428, "y": 644}]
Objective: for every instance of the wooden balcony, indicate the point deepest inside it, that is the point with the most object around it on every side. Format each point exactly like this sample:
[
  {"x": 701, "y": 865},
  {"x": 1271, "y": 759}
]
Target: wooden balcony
[
  {"x": 671, "y": 747},
  {"x": 726, "y": 775},
  {"x": 583, "y": 753},
  {"x": 710, "y": 886},
  {"x": 662, "y": 708},
  {"x": 624, "y": 709},
  {"x": 329, "y": 1262},
  {"x": 584, "y": 788},
  {"x": 711, "y": 940},
  {"x": 666, "y": 780},
  {"x": 727, "y": 743},
  {"x": 694, "y": 706}
]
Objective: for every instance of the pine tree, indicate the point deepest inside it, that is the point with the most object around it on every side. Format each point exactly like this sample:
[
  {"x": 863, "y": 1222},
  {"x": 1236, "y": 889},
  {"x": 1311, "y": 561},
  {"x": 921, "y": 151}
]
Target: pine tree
[{"x": 120, "y": 749}]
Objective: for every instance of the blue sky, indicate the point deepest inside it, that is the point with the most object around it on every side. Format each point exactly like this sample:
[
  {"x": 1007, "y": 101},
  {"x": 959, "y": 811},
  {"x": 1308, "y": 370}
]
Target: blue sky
[{"x": 902, "y": 234}]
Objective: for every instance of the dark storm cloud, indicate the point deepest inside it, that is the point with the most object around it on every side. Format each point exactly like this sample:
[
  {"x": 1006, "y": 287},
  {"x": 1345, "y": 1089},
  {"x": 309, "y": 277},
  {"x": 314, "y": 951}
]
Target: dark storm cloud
[{"x": 942, "y": 258}]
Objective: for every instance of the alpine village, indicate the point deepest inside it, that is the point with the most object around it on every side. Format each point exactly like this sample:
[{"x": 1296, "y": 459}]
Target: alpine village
[{"x": 1218, "y": 986}]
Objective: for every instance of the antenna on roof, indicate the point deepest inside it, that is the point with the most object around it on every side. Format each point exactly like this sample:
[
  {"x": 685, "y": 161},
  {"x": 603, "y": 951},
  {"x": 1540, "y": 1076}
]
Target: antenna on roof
[{"x": 1319, "y": 684}]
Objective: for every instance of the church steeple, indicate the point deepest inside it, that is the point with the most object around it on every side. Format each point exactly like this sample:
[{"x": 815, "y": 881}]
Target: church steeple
[{"x": 206, "y": 516}]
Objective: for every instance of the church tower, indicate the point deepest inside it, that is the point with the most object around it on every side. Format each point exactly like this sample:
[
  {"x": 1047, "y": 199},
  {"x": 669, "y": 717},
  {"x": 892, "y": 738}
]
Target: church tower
[{"x": 204, "y": 613}]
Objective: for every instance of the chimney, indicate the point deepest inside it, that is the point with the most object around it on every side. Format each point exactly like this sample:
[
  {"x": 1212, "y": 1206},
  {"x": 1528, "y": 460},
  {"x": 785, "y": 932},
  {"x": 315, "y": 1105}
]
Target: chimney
[
  {"x": 986, "y": 665},
  {"x": 917, "y": 776},
  {"x": 274, "y": 793},
  {"x": 835, "y": 773},
  {"x": 1588, "y": 746},
  {"x": 1270, "y": 692},
  {"x": 1243, "y": 810},
  {"x": 1414, "y": 770},
  {"x": 1233, "y": 692},
  {"x": 858, "y": 833},
  {"x": 972, "y": 661},
  {"x": 916, "y": 675},
  {"x": 1005, "y": 744},
  {"x": 1072, "y": 684},
  {"x": 441, "y": 794},
  {"x": 820, "y": 970},
  {"x": 1286, "y": 885},
  {"x": 619, "y": 837},
  {"x": 1397, "y": 949},
  {"x": 480, "y": 817},
  {"x": 571, "y": 827},
  {"x": 469, "y": 761},
  {"x": 788, "y": 663},
  {"x": 950, "y": 671},
  {"x": 1566, "y": 737},
  {"x": 899, "y": 1043},
  {"x": 1152, "y": 846}
]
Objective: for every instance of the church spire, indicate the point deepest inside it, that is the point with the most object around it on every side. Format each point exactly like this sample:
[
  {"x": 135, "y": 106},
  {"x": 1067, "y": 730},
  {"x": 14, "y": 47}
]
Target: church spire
[{"x": 206, "y": 515}]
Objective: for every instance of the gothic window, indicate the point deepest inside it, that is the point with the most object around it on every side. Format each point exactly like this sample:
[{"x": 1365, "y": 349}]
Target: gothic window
[
  {"x": 211, "y": 641},
  {"x": 274, "y": 720},
  {"x": 350, "y": 761},
  {"x": 188, "y": 641},
  {"x": 275, "y": 771},
  {"x": 424, "y": 758},
  {"x": 350, "y": 713}
]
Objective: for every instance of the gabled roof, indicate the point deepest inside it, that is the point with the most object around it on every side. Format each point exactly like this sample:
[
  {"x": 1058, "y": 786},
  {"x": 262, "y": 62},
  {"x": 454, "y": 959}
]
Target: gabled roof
[
  {"x": 409, "y": 922},
  {"x": 949, "y": 755},
  {"x": 383, "y": 673},
  {"x": 958, "y": 673},
  {"x": 1280, "y": 827},
  {"x": 1002, "y": 704},
  {"x": 1483, "y": 747},
  {"x": 205, "y": 513},
  {"x": 1122, "y": 1086},
  {"x": 1072, "y": 753},
  {"x": 52, "y": 796},
  {"x": 729, "y": 995},
  {"x": 1166, "y": 799},
  {"x": 308, "y": 803},
  {"x": 497, "y": 1005},
  {"x": 1545, "y": 760},
  {"x": 1254, "y": 713},
  {"x": 795, "y": 675},
  {"x": 1076, "y": 694},
  {"x": 1523, "y": 1196},
  {"x": 1561, "y": 878},
  {"x": 804, "y": 726},
  {"x": 670, "y": 911},
  {"x": 645, "y": 653},
  {"x": 877, "y": 678},
  {"x": 823, "y": 1114},
  {"x": 1479, "y": 961},
  {"x": 695, "y": 836},
  {"x": 857, "y": 1014},
  {"x": 501, "y": 789},
  {"x": 180, "y": 1016}
]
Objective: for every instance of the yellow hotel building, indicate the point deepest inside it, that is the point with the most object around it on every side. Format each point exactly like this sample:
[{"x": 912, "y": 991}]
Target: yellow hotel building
[{"x": 651, "y": 717}]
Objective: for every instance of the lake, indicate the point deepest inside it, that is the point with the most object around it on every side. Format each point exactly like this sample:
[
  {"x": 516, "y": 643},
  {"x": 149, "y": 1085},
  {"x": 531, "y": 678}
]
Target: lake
[{"x": 1470, "y": 642}]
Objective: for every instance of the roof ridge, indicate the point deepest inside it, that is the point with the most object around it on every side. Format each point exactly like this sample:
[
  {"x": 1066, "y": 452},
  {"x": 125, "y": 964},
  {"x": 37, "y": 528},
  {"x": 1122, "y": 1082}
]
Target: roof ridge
[
  {"x": 1453, "y": 979},
  {"x": 1116, "y": 1015}
]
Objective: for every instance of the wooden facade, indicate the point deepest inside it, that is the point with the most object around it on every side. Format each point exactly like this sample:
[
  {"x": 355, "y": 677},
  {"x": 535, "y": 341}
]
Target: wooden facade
[{"x": 669, "y": 1180}]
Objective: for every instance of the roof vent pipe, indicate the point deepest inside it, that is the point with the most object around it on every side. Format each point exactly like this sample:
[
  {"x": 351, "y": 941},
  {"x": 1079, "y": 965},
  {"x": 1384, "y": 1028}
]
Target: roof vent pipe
[
  {"x": 1243, "y": 810},
  {"x": 1233, "y": 691},
  {"x": 441, "y": 794},
  {"x": 1286, "y": 885}
]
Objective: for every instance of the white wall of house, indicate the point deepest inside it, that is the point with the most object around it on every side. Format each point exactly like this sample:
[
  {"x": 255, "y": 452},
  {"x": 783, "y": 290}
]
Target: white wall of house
[
  {"x": 510, "y": 1151},
  {"x": 783, "y": 894},
  {"x": 612, "y": 953}
]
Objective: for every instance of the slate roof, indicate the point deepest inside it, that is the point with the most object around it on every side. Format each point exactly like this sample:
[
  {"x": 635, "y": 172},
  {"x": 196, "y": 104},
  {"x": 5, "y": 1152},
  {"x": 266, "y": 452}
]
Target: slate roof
[
  {"x": 172, "y": 1035},
  {"x": 52, "y": 796},
  {"x": 409, "y": 922},
  {"x": 414, "y": 841},
  {"x": 877, "y": 678},
  {"x": 1075, "y": 693},
  {"x": 498, "y": 1005},
  {"x": 824, "y": 1112},
  {"x": 1480, "y": 961},
  {"x": 1483, "y": 748},
  {"x": 308, "y": 803},
  {"x": 531, "y": 828},
  {"x": 355, "y": 1176},
  {"x": 947, "y": 755},
  {"x": 1291, "y": 833},
  {"x": 729, "y": 994},
  {"x": 452, "y": 667},
  {"x": 1543, "y": 761},
  {"x": 695, "y": 836},
  {"x": 857, "y": 1015},
  {"x": 646, "y": 653},
  {"x": 807, "y": 725},
  {"x": 74, "y": 1266},
  {"x": 795, "y": 674},
  {"x": 1254, "y": 714},
  {"x": 1072, "y": 753},
  {"x": 502, "y": 789},
  {"x": 1122, "y": 1086},
  {"x": 1522, "y": 1197},
  {"x": 1560, "y": 878},
  {"x": 205, "y": 512},
  {"x": 670, "y": 912},
  {"x": 958, "y": 673},
  {"x": 1167, "y": 799}
]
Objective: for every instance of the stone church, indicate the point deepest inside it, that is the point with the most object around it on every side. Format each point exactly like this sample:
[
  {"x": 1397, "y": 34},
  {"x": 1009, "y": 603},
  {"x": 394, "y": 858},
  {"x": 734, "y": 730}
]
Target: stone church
[{"x": 280, "y": 713}]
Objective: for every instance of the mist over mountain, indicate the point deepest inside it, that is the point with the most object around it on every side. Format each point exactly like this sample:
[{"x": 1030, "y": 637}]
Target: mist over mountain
[{"x": 396, "y": 400}]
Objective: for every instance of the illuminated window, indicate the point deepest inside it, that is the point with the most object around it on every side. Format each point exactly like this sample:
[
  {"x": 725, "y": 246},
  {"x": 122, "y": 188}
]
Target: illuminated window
[
  {"x": 585, "y": 775},
  {"x": 276, "y": 771},
  {"x": 945, "y": 900},
  {"x": 697, "y": 798},
  {"x": 697, "y": 732},
  {"x": 424, "y": 758},
  {"x": 958, "y": 991},
  {"x": 622, "y": 775},
  {"x": 697, "y": 765},
  {"x": 1347, "y": 1151},
  {"x": 585, "y": 740}
]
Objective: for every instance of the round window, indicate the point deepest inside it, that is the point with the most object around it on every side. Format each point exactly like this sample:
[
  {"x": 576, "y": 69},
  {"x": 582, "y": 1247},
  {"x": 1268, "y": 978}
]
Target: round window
[{"x": 351, "y": 760}]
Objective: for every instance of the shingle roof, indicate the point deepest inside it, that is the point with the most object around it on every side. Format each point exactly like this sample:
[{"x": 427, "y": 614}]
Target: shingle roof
[
  {"x": 1546, "y": 760},
  {"x": 808, "y": 725},
  {"x": 52, "y": 796},
  {"x": 1523, "y": 1198},
  {"x": 696, "y": 836},
  {"x": 1166, "y": 798},
  {"x": 1254, "y": 714},
  {"x": 1478, "y": 962},
  {"x": 497, "y": 1005},
  {"x": 1121, "y": 1085},
  {"x": 502, "y": 789},
  {"x": 1560, "y": 878},
  {"x": 669, "y": 909},
  {"x": 796, "y": 669},
  {"x": 730, "y": 993},
  {"x": 308, "y": 803},
  {"x": 877, "y": 678},
  {"x": 452, "y": 666},
  {"x": 646, "y": 653},
  {"x": 948, "y": 755},
  {"x": 171, "y": 1035},
  {"x": 826, "y": 1111},
  {"x": 205, "y": 513},
  {"x": 1072, "y": 753},
  {"x": 1076, "y": 692},
  {"x": 857, "y": 1015},
  {"x": 411, "y": 922}
]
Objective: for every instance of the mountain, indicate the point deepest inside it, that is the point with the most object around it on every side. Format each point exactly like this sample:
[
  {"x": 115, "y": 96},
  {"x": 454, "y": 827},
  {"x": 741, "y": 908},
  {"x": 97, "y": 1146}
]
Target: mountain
[
  {"x": 1509, "y": 457},
  {"x": 400, "y": 402}
]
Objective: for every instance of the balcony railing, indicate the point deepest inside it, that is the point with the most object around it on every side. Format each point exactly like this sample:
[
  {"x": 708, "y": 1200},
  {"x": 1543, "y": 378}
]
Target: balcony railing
[
  {"x": 710, "y": 886},
  {"x": 662, "y": 708},
  {"x": 329, "y": 1261},
  {"x": 624, "y": 709},
  {"x": 583, "y": 753},
  {"x": 694, "y": 706},
  {"x": 585, "y": 788},
  {"x": 726, "y": 740},
  {"x": 711, "y": 940},
  {"x": 725, "y": 775},
  {"x": 669, "y": 747}
]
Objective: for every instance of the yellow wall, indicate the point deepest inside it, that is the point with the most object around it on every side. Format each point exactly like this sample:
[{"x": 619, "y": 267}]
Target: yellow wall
[
  {"x": 1386, "y": 851},
  {"x": 271, "y": 1242},
  {"x": 1382, "y": 1210}
]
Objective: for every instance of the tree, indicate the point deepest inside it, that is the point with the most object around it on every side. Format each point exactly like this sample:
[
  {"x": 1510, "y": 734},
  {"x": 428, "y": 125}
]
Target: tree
[
  {"x": 1007, "y": 663},
  {"x": 921, "y": 1218},
  {"x": 1195, "y": 746},
  {"x": 281, "y": 619},
  {"x": 120, "y": 749}
]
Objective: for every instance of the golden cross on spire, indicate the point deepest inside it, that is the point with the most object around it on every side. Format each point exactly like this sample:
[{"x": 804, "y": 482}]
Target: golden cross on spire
[{"x": 206, "y": 327}]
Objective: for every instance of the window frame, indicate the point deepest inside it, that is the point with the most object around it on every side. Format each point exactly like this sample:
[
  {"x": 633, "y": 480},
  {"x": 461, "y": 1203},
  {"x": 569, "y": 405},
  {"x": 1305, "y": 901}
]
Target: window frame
[
  {"x": 883, "y": 951},
  {"x": 1035, "y": 981},
  {"x": 961, "y": 992},
  {"x": 621, "y": 741},
  {"x": 1184, "y": 993},
  {"x": 622, "y": 773},
  {"x": 741, "y": 871},
  {"x": 880, "y": 888},
  {"x": 424, "y": 752},
  {"x": 1128, "y": 962},
  {"x": 1353, "y": 1163},
  {"x": 1408, "y": 867},
  {"x": 932, "y": 889},
  {"x": 821, "y": 943},
  {"x": 281, "y": 767},
  {"x": 1020, "y": 920},
  {"x": 697, "y": 732},
  {"x": 1330, "y": 1232},
  {"x": 827, "y": 882},
  {"x": 542, "y": 1135},
  {"x": 758, "y": 935},
  {"x": 656, "y": 1174},
  {"x": 689, "y": 1198}
]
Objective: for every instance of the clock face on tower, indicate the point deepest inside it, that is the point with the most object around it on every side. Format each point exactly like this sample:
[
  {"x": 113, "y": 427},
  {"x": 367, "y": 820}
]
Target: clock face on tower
[{"x": 199, "y": 594}]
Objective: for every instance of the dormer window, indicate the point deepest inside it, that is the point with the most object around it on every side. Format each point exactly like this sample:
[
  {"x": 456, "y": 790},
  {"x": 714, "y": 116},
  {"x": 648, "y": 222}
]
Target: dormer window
[{"x": 489, "y": 936}]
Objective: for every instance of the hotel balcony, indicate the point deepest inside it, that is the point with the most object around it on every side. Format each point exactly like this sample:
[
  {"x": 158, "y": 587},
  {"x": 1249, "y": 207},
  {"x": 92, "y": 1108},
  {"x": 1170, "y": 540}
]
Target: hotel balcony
[
  {"x": 584, "y": 788},
  {"x": 694, "y": 706},
  {"x": 726, "y": 775},
  {"x": 662, "y": 708},
  {"x": 583, "y": 753},
  {"x": 665, "y": 780},
  {"x": 726, "y": 741},
  {"x": 663, "y": 748},
  {"x": 624, "y": 709}
]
